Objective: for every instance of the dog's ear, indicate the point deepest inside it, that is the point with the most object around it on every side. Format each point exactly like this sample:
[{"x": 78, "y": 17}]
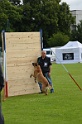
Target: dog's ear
[
  {"x": 33, "y": 64},
  {"x": 36, "y": 64}
]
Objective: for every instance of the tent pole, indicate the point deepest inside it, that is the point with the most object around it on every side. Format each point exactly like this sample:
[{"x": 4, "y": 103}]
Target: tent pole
[{"x": 68, "y": 72}]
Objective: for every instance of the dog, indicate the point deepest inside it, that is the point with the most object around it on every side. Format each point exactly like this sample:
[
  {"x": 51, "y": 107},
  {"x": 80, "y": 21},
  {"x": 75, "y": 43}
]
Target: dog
[{"x": 38, "y": 76}]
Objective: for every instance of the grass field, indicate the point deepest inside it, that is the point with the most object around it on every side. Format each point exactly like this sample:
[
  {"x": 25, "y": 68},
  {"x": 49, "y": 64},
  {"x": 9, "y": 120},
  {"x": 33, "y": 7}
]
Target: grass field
[{"x": 64, "y": 106}]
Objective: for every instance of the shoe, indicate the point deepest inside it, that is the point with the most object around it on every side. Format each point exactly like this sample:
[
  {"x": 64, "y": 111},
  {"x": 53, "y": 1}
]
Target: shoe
[{"x": 52, "y": 91}]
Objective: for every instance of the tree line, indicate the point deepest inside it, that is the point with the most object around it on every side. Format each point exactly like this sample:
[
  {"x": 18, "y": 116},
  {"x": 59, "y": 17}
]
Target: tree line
[{"x": 52, "y": 16}]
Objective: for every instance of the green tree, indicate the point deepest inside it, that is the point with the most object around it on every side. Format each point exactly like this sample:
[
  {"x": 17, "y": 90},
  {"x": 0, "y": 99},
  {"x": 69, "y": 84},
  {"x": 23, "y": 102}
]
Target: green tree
[
  {"x": 10, "y": 16},
  {"x": 65, "y": 18},
  {"x": 28, "y": 19},
  {"x": 15, "y": 2},
  {"x": 33, "y": 15},
  {"x": 77, "y": 33},
  {"x": 44, "y": 15},
  {"x": 50, "y": 16},
  {"x": 58, "y": 39}
]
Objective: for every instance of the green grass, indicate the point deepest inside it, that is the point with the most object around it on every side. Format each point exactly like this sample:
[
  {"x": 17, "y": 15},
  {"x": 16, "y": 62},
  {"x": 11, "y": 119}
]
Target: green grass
[{"x": 62, "y": 107}]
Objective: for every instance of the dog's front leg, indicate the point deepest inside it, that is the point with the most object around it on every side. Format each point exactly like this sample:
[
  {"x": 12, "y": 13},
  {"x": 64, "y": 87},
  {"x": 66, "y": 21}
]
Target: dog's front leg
[
  {"x": 34, "y": 77},
  {"x": 31, "y": 75}
]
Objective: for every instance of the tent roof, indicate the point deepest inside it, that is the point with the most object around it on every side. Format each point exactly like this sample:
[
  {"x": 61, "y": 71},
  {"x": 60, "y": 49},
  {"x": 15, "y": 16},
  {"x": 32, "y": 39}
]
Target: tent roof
[{"x": 72, "y": 44}]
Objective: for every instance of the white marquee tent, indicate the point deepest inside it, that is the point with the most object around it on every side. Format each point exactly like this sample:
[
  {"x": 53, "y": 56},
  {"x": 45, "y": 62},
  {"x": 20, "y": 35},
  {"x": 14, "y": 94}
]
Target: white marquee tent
[{"x": 69, "y": 53}]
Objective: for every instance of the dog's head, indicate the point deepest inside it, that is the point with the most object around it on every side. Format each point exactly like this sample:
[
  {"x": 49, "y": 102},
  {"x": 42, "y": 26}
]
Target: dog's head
[{"x": 34, "y": 64}]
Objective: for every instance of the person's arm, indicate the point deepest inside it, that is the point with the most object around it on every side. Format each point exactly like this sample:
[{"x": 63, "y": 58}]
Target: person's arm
[
  {"x": 38, "y": 61},
  {"x": 50, "y": 67},
  {"x": 50, "y": 70},
  {"x": 1, "y": 79}
]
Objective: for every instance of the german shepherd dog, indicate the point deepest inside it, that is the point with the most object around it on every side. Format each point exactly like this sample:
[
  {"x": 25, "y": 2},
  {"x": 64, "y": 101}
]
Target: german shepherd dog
[{"x": 38, "y": 75}]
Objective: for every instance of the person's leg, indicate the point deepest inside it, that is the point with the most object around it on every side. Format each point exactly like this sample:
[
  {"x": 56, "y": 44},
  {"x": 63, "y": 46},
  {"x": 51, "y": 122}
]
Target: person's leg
[
  {"x": 1, "y": 116},
  {"x": 50, "y": 81}
]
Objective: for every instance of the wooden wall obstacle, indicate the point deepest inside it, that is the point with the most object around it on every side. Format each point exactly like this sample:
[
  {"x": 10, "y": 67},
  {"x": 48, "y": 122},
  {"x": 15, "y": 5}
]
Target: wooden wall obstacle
[{"x": 21, "y": 49}]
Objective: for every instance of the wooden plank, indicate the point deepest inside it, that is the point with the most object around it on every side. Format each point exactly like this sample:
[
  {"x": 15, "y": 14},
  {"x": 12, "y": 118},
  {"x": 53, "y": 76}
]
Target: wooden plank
[
  {"x": 26, "y": 53},
  {"x": 24, "y": 85},
  {"x": 23, "y": 48},
  {"x": 18, "y": 75},
  {"x": 22, "y": 92},
  {"x": 21, "y": 59},
  {"x": 17, "y": 91},
  {"x": 22, "y": 81},
  {"x": 17, "y": 37},
  {"x": 21, "y": 62},
  {"x": 21, "y": 85}
]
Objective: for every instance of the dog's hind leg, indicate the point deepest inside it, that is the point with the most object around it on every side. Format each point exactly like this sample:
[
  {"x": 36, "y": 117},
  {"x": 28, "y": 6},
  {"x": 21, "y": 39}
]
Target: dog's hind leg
[{"x": 44, "y": 90}]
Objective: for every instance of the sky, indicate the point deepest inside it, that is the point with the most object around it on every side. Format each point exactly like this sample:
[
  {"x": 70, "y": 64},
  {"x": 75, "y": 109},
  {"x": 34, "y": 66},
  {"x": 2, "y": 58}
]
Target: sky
[{"x": 74, "y": 4}]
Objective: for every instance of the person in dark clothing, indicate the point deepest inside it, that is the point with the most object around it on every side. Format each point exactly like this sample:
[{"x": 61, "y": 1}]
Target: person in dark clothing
[
  {"x": 45, "y": 64},
  {"x": 1, "y": 87}
]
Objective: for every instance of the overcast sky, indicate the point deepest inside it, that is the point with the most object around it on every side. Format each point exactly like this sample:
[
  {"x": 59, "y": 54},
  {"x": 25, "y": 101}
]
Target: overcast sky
[{"x": 74, "y": 4}]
